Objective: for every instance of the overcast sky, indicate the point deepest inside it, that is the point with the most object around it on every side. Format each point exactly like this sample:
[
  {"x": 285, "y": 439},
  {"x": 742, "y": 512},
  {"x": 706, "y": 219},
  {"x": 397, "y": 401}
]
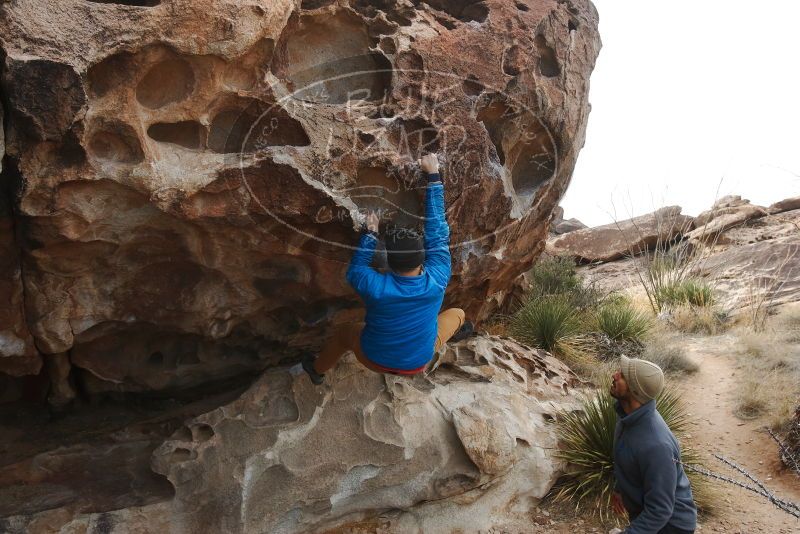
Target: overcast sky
[{"x": 687, "y": 93}]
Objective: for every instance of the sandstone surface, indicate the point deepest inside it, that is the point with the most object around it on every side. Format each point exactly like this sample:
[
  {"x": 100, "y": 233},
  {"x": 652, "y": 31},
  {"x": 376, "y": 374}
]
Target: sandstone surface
[
  {"x": 758, "y": 258},
  {"x": 183, "y": 178},
  {"x": 726, "y": 213},
  {"x": 723, "y": 205},
  {"x": 787, "y": 204},
  {"x": 614, "y": 241},
  {"x": 467, "y": 447},
  {"x": 18, "y": 354}
]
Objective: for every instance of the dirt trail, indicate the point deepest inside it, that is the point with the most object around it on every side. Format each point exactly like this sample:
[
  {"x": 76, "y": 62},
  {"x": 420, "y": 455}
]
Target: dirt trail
[{"x": 710, "y": 395}]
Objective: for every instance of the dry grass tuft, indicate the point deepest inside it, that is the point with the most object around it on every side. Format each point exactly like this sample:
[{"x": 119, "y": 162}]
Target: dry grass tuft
[
  {"x": 496, "y": 326},
  {"x": 769, "y": 361},
  {"x": 664, "y": 349},
  {"x": 696, "y": 320},
  {"x": 788, "y": 322}
]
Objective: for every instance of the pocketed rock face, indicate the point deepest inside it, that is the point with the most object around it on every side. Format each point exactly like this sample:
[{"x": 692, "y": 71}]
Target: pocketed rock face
[
  {"x": 190, "y": 173},
  {"x": 466, "y": 448}
]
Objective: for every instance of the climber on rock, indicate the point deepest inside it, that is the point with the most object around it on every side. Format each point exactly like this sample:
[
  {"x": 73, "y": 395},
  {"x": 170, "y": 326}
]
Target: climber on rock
[
  {"x": 651, "y": 485},
  {"x": 403, "y": 327}
]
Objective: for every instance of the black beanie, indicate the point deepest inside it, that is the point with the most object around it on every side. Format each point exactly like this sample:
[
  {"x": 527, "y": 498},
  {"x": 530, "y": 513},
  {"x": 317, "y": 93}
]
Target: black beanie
[{"x": 405, "y": 249}]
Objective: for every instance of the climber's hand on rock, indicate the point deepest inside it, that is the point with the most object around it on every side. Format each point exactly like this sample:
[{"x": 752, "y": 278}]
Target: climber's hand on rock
[
  {"x": 616, "y": 504},
  {"x": 372, "y": 221},
  {"x": 429, "y": 163}
]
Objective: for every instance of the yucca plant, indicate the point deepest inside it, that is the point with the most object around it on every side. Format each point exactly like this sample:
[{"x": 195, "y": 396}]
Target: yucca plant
[
  {"x": 697, "y": 293},
  {"x": 587, "y": 445},
  {"x": 689, "y": 291},
  {"x": 620, "y": 321},
  {"x": 661, "y": 274},
  {"x": 669, "y": 295},
  {"x": 551, "y": 323}
]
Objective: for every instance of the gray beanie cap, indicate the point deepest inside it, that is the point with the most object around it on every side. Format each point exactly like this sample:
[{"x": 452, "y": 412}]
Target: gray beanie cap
[{"x": 645, "y": 379}]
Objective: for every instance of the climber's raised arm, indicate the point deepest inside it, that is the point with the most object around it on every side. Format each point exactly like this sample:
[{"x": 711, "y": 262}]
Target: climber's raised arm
[
  {"x": 360, "y": 275},
  {"x": 437, "y": 233}
]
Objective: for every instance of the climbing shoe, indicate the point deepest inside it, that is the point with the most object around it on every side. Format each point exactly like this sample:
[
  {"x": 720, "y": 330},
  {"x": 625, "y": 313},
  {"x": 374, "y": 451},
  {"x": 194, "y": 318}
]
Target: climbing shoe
[
  {"x": 467, "y": 330},
  {"x": 308, "y": 367}
]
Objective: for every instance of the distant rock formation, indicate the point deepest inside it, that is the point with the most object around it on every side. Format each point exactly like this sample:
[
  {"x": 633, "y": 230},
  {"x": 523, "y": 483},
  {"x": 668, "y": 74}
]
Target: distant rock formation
[
  {"x": 559, "y": 225},
  {"x": 726, "y": 213},
  {"x": 787, "y": 204},
  {"x": 744, "y": 250},
  {"x": 761, "y": 256},
  {"x": 614, "y": 241}
]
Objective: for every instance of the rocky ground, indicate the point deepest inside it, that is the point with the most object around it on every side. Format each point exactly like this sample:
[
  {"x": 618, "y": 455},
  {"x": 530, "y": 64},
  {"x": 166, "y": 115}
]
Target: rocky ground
[
  {"x": 467, "y": 447},
  {"x": 711, "y": 396}
]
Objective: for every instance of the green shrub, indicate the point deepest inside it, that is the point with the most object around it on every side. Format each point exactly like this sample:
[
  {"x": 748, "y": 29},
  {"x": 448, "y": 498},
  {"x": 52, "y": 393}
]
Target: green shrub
[
  {"x": 587, "y": 445},
  {"x": 551, "y": 323},
  {"x": 557, "y": 276},
  {"x": 697, "y": 293},
  {"x": 696, "y": 319},
  {"x": 688, "y": 291},
  {"x": 660, "y": 272},
  {"x": 665, "y": 274},
  {"x": 554, "y": 276},
  {"x": 668, "y": 295},
  {"x": 622, "y": 322}
]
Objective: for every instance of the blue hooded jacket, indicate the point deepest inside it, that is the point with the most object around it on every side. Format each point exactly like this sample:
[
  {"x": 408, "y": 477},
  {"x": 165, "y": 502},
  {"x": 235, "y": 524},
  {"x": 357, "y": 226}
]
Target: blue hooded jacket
[{"x": 400, "y": 330}]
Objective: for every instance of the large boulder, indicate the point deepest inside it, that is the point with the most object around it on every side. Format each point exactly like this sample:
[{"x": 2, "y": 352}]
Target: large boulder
[
  {"x": 614, "y": 241},
  {"x": 2, "y": 138},
  {"x": 559, "y": 225},
  {"x": 758, "y": 263},
  {"x": 787, "y": 204},
  {"x": 768, "y": 227},
  {"x": 190, "y": 173},
  {"x": 467, "y": 447},
  {"x": 728, "y": 212},
  {"x": 18, "y": 354},
  {"x": 765, "y": 273}
]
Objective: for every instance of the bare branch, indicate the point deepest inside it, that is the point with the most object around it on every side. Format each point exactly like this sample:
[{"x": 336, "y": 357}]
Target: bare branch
[
  {"x": 788, "y": 456},
  {"x": 759, "y": 488}
]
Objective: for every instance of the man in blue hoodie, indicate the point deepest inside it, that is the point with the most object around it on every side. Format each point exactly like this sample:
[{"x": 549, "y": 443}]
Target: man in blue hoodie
[
  {"x": 651, "y": 484},
  {"x": 403, "y": 327}
]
